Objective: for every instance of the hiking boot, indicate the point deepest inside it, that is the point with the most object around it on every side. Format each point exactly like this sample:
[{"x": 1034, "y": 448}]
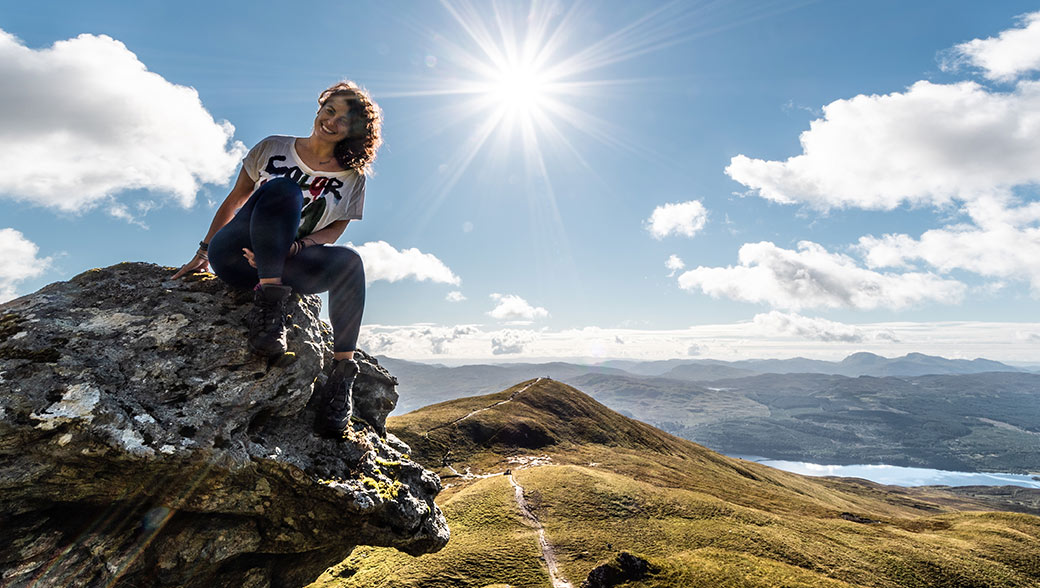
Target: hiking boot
[
  {"x": 268, "y": 318},
  {"x": 336, "y": 403}
]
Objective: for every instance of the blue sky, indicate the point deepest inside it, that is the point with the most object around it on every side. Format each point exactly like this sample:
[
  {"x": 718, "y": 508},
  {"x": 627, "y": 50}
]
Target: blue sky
[{"x": 644, "y": 180}]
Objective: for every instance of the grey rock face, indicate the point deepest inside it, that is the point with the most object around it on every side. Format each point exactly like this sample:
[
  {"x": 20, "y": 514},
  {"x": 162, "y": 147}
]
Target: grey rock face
[{"x": 141, "y": 444}]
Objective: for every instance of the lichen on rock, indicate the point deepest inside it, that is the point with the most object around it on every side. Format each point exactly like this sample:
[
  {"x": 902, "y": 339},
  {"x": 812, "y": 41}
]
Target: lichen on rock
[{"x": 141, "y": 444}]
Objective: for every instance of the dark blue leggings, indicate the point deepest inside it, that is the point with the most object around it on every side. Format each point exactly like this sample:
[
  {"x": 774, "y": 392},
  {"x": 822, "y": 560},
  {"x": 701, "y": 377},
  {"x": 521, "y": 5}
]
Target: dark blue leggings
[{"x": 267, "y": 224}]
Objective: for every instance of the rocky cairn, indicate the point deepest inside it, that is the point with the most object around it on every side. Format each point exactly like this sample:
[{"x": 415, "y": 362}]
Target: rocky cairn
[{"x": 141, "y": 444}]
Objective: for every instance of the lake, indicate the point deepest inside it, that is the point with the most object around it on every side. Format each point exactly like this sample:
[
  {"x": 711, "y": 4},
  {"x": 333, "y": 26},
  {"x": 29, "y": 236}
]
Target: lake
[{"x": 899, "y": 476}]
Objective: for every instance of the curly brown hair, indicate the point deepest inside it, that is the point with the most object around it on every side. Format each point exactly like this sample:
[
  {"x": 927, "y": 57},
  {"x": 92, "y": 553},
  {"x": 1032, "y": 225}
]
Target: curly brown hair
[{"x": 358, "y": 150}]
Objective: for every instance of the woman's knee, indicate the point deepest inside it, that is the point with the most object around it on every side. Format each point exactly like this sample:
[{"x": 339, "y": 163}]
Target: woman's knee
[
  {"x": 343, "y": 267},
  {"x": 280, "y": 193},
  {"x": 346, "y": 260},
  {"x": 279, "y": 183}
]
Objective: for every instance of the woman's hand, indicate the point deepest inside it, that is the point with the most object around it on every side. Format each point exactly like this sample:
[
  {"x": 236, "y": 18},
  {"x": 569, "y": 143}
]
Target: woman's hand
[
  {"x": 199, "y": 263},
  {"x": 238, "y": 196},
  {"x": 297, "y": 246}
]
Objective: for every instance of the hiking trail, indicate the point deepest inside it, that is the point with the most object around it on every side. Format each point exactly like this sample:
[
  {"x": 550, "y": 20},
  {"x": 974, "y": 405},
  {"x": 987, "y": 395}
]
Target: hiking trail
[
  {"x": 480, "y": 410},
  {"x": 548, "y": 553}
]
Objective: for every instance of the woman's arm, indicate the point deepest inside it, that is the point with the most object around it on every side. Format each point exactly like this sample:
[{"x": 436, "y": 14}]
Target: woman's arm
[
  {"x": 329, "y": 234},
  {"x": 238, "y": 196}
]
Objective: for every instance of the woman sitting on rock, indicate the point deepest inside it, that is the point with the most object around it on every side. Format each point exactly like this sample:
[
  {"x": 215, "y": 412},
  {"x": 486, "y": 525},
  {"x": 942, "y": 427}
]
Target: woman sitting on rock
[{"x": 294, "y": 197}]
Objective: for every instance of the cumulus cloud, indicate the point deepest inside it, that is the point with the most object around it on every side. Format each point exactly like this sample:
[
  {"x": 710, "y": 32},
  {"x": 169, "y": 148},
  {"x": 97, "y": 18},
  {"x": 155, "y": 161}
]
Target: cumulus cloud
[
  {"x": 674, "y": 264},
  {"x": 950, "y": 146},
  {"x": 377, "y": 342},
  {"x": 1014, "y": 341},
  {"x": 384, "y": 262},
  {"x": 1002, "y": 242},
  {"x": 433, "y": 339},
  {"x": 455, "y": 296},
  {"x": 510, "y": 342},
  {"x": 440, "y": 337},
  {"x": 817, "y": 329},
  {"x": 1027, "y": 336},
  {"x": 931, "y": 144},
  {"x": 120, "y": 127},
  {"x": 515, "y": 308},
  {"x": 18, "y": 261},
  {"x": 813, "y": 277},
  {"x": 680, "y": 218},
  {"x": 1005, "y": 57}
]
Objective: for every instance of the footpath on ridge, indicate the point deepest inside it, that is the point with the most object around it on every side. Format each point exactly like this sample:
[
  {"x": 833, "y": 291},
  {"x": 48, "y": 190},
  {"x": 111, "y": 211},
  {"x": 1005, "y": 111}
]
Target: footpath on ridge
[{"x": 548, "y": 553}]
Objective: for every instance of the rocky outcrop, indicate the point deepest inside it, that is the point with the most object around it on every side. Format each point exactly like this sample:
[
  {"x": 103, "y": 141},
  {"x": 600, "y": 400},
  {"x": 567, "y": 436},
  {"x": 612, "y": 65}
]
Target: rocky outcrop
[
  {"x": 625, "y": 568},
  {"x": 141, "y": 444}
]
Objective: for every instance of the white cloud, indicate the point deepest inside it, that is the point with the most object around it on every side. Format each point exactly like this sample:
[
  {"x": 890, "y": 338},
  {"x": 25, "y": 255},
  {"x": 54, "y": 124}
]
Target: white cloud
[
  {"x": 439, "y": 338},
  {"x": 1008, "y": 55},
  {"x": 1010, "y": 341},
  {"x": 674, "y": 264},
  {"x": 430, "y": 339},
  {"x": 1003, "y": 242},
  {"x": 18, "y": 261},
  {"x": 813, "y": 277},
  {"x": 384, "y": 262},
  {"x": 513, "y": 307},
  {"x": 680, "y": 218},
  {"x": 935, "y": 145},
  {"x": 89, "y": 121},
  {"x": 377, "y": 342},
  {"x": 817, "y": 329},
  {"x": 1028, "y": 336},
  {"x": 122, "y": 212},
  {"x": 931, "y": 144},
  {"x": 510, "y": 342},
  {"x": 455, "y": 296}
]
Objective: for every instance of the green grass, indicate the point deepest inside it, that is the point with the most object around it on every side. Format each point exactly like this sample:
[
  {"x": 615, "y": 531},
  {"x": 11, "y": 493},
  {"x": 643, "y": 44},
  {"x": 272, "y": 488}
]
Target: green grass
[
  {"x": 700, "y": 518},
  {"x": 590, "y": 515},
  {"x": 490, "y": 545}
]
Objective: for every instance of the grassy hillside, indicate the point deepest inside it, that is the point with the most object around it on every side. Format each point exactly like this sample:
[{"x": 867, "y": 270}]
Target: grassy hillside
[{"x": 599, "y": 483}]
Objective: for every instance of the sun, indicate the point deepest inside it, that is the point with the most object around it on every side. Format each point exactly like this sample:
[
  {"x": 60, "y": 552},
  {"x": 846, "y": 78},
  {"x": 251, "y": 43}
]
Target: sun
[
  {"x": 521, "y": 75},
  {"x": 527, "y": 74},
  {"x": 517, "y": 85},
  {"x": 521, "y": 89}
]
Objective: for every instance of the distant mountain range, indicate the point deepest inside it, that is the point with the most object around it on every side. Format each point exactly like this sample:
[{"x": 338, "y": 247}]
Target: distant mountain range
[
  {"x": 424, "y": 383},
  {"x": 915, "y": 410},
  {"x": 857, "y": 364}
]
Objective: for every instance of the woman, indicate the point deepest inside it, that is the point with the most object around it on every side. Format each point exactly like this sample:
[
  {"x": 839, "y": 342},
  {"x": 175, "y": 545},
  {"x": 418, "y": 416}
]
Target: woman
[{"x": 294, "y": 197}]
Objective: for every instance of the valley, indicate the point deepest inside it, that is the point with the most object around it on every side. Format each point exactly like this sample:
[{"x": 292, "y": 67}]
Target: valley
[{"x": 983, "y": 421}]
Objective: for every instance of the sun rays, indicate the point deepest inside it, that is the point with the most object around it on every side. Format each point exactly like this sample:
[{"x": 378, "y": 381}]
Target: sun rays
[
  {"x": 522, "y": 76},
  {"x": 521, "y": 91}
]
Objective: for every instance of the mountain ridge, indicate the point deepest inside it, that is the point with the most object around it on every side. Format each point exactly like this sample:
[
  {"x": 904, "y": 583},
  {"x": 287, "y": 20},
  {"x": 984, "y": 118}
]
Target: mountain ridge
[{"x": 695, "y": 517}]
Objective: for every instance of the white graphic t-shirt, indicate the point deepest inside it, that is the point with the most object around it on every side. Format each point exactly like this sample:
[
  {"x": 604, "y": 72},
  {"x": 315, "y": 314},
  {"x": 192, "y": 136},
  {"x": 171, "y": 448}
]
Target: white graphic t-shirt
[{"x": 327, "y": 196}]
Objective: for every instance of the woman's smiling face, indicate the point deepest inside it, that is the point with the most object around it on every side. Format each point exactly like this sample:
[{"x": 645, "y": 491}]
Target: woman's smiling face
[{"x": 332, "y": 122}]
